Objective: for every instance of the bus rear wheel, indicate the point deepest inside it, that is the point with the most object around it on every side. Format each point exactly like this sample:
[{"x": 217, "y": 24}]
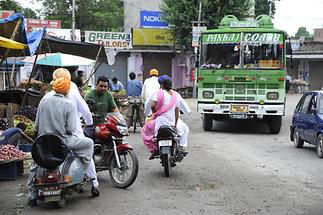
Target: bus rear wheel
[
  {"x": 274, "y": 124},
  {"x": 207, "y": 122}
]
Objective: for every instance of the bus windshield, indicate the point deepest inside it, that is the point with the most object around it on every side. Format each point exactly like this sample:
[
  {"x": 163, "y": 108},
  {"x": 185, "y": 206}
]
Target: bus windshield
[
  {"x": 263, "y": 56},
  {"x": 254, "y": 50},
  {"x": 216, "y": 56}
]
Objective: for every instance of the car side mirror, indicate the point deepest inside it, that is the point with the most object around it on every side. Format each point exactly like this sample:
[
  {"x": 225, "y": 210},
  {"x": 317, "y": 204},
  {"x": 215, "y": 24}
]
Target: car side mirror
[{"x": 313, "y": 110}]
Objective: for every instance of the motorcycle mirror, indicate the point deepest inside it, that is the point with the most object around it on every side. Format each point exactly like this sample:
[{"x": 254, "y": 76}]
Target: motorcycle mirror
[{"x": 90, "y": 103}]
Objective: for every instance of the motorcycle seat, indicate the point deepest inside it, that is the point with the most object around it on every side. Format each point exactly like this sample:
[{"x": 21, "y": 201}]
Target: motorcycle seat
[
  {"x": 49, "y": 151},
  {"x": 166, "y": 131}
]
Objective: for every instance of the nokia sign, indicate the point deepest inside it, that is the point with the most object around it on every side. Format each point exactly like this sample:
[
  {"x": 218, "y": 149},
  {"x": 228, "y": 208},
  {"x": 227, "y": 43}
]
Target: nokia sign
[{"x": 152, "y": 19}]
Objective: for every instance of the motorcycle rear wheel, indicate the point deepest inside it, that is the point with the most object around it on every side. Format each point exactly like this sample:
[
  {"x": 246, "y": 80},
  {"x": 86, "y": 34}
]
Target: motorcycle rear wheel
[
  {"x": 167, "y": 164},
  {"x": 129, "y": 167}
]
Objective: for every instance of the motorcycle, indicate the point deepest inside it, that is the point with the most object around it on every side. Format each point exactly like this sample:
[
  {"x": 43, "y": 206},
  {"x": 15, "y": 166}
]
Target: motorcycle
[
  {"x": 132, "y": 108},
  {"x": 168, "y": 148},
  {"x": 60, "y": 171},
  {"x": 112, "y": 153}
]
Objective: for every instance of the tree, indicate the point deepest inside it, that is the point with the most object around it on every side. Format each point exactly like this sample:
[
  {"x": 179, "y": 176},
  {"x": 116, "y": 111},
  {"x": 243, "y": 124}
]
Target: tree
[
  {"x": 10, "y": 5},
  {"x": 302, "y": 32},
  {"x": 265, "y": 7},
  {"x": 15, "y": 6},
  {"x": 180, "y": 14},
  {"x": 99, "y": 15}
]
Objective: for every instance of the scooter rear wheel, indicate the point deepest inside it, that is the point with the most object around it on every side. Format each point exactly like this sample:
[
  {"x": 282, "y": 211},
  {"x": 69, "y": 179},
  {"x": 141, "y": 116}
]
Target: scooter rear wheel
[
  {"x": 126, "y": 175},
  {"x": 61, "y": 203}
]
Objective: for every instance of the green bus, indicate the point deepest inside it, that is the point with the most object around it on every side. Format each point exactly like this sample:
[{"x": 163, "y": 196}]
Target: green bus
[{"x": 241, "y": 72}]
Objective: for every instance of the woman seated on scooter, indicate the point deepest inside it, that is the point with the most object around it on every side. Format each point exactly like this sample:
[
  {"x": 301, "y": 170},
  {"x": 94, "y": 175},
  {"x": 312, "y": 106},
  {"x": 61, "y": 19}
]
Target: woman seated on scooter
[{"x": 165, "y": 110}]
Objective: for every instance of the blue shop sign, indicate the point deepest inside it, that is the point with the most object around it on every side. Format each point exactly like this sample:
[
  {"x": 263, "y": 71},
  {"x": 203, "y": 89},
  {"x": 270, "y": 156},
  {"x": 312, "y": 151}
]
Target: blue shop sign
[{"x": 152, "y": 19}]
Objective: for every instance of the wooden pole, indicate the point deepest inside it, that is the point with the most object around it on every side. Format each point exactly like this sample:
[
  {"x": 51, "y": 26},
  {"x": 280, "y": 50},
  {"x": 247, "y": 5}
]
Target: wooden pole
[{"x": 94, "y": 70}]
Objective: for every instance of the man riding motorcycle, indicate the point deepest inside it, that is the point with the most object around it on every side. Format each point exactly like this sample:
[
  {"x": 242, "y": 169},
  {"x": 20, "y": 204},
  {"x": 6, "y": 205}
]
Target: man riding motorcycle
[
  {"x": 103, "y": 103},
  {"x": 57, "y": 115}
]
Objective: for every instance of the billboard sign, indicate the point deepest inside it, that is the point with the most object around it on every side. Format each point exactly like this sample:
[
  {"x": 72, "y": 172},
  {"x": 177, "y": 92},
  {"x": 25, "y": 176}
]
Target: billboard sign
[
  {"x": 196, "y": 33},
  {"x": 5, "y": 13},
  {"x": 110, "y": 40},
  {"x": 152, "y": 19},
  {"x": 32, "y": 24},
  {"x": 152, "y": 37},
  {"x": 65, "y": 34}
]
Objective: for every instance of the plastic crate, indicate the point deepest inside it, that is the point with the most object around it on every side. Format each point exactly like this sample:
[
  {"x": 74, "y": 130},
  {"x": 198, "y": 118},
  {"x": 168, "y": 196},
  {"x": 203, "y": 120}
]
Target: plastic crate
[
  {"x": 25, "y": 147},
  {"x": 20, "y": 167},
  {"x": 8, "y": 171}
]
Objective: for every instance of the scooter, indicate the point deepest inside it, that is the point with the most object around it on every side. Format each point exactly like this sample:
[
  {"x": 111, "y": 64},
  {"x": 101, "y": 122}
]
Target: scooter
[
  {"x": 168, "y": 147},
  {"x": 60, "y": 171}
]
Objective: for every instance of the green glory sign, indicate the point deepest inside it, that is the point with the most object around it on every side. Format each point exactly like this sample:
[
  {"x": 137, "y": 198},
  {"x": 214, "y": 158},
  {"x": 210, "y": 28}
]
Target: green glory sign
[{"x": 248, "y": 38}]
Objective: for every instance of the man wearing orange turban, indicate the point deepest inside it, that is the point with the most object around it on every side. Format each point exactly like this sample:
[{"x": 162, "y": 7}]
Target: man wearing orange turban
[
  {"x": 62, "y": 85},
  {"x": 57, "y": 114}
]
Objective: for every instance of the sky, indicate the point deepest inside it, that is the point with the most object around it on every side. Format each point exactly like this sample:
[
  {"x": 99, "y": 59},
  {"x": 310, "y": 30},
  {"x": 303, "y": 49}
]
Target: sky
[{"x": 290, "y": 14}]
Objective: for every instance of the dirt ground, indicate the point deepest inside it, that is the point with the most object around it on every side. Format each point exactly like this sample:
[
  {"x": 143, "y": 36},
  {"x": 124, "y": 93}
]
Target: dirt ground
[{"x": 237, "y": 168}]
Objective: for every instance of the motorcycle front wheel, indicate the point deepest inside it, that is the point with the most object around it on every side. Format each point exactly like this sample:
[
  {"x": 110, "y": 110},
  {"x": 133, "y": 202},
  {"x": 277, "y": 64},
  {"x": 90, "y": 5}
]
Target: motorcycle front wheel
[{"x": 125, "y": 176}]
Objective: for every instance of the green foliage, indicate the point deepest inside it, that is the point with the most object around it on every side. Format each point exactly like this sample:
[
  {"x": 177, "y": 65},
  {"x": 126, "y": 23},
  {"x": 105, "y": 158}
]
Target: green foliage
[
  {"x": 10, "y": 5},
  {"x": 180, "y": 14},
  {"x": 265, "y": 7},
  {"x": 15, "y": 6},
  {"x": 302, "y": 32},
  {"x": 99, "y": 15}
]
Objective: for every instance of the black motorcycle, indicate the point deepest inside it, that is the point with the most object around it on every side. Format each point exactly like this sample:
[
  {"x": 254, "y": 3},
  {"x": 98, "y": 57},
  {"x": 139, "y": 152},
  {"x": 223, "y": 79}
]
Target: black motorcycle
[{"x": 168, "y": 148}]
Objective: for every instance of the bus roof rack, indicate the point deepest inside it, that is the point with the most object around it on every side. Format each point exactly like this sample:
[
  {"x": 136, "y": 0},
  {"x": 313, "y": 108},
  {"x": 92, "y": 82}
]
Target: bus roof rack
[{"x": 231, "y": 21}]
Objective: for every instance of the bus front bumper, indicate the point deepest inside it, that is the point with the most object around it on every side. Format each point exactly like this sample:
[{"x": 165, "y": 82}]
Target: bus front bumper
[{"x": 241, "y": 108}]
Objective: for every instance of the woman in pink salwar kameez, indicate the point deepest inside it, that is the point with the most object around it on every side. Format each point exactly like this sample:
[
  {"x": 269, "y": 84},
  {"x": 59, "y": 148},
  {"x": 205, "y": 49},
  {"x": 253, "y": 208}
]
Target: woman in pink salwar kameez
[{"x": 165, "y": 112}]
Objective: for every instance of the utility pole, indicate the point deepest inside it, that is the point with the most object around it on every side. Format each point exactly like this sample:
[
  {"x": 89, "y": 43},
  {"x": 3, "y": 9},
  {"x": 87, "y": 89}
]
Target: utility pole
[
  {"x": 196, "y": 49},
  {"x": 73, "y": 20}
]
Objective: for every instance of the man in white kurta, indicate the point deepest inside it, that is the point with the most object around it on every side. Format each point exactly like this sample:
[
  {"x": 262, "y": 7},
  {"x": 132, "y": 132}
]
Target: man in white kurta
[{"x": 151, "y": 85}]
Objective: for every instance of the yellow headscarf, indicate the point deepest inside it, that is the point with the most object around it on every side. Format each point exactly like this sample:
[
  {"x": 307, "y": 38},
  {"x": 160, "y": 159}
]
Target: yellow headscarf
[
  {"x": 62, "y": 85},
  {"x": 153, "y": 72}
]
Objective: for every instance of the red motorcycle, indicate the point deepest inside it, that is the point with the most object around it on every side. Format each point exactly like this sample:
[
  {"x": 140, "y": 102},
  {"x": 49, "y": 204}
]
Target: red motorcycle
[{"x": 112, "y": 153}]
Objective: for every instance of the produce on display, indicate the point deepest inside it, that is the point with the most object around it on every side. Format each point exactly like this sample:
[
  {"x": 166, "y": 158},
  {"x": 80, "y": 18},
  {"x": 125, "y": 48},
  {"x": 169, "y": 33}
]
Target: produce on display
[
  {"x": 30, "y": 125},
  {"x": 10, "y": 152},
  {"x": 29, "y": 111}
]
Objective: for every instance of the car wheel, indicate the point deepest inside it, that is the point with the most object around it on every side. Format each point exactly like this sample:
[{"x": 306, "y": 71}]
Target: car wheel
[
  {"x": 319, "y": 146},
  {"x": 298, "y": 142}
]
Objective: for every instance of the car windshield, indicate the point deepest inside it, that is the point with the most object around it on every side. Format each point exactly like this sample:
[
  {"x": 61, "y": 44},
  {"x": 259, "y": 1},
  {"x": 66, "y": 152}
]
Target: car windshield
[{"x": 321, "y": 104}]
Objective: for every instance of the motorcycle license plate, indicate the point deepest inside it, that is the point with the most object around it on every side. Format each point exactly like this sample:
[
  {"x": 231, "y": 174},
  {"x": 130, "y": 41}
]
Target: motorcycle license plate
[
  {"x": 165, "y": 142},
  {"x": 52, "y": 193}
]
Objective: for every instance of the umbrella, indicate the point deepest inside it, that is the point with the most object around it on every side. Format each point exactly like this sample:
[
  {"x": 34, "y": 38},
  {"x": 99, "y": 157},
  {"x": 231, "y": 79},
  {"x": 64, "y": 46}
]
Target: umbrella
[
  {"x": 61, "y": 59},
  {"x": 31, "y": 59},
  {"x": 11, "y": 44}
]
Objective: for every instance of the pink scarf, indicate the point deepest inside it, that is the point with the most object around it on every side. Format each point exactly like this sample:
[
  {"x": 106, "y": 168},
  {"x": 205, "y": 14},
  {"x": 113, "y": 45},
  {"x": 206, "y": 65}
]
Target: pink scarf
[{"x": 148, "y": 131}]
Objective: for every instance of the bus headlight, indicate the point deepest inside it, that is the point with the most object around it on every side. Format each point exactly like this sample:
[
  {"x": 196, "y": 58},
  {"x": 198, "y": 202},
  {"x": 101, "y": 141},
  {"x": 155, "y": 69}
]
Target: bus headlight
[
  {"x": 208, "y": 94},
  {"x": 272, "y": 95}
]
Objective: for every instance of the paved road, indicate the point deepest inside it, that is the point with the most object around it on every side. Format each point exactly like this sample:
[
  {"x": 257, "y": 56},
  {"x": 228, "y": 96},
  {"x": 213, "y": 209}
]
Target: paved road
[{"x": 238, "y": 168}]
